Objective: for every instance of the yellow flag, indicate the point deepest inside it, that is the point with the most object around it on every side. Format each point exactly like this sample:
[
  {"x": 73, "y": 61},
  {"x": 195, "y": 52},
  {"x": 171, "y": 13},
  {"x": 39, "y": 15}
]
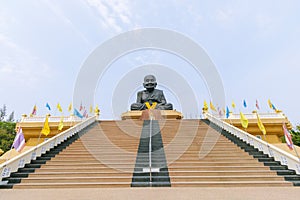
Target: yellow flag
[
  {"x": 70, "y": 107},
  {"x": 270, "y": 103},
  {"x": 46, "y": 128},
  {"x": 205, "y": 106},
  {"x": 61, "y": 124},
  {"x": 97, "y": 111},
  {"x": 212, "y": 107},
  {"x": 91, "y": 109},
  {"x": 233, "y": 104},
  {"x": 244, "y": 120},
  {"x": 260, "y": 125},
  {"x": 59, "y": 107}
]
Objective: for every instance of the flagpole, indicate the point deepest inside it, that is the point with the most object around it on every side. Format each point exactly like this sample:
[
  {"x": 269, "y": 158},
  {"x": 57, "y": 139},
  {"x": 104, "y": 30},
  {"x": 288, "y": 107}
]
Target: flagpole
[
  {"x": 8, "y": 157},
  {"x": 41, "y": 132},
  {"x": 38, "y": 139}
]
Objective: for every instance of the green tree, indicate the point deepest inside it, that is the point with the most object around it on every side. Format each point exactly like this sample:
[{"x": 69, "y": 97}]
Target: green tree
[
  {"x": 2, "y": 113},
  {"x": 296, "y": 135},
  {"x": 7, "y": 135},
  {"x": 11, "y": 117}
]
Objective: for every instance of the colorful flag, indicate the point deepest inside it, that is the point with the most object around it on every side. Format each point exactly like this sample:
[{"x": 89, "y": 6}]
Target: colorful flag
[
  {"x": 61, "y": 124},
  {"x": 270, "y": 103},
  {"x": 205, "y": 106},
  {"x": 220, "y": 111},
  {"x": 97, "y": 111},
  {"x": 244, "y": 120},
  {"x": 288, "y": 137},
  {"x": 273, "y": 107},
  {"x": 256, "y": 104},
  {"x": 33, "y": 111},
  {"x": 46, "y": 128},
  {"x": 81, "y": 107},
  {"x": 233, "y": 104},
  {"x": 244, "y": 103},
  {"x": 212, "y": 107},
  {"x": 91, "y": 109},
  {"x": 59, "y": 107},
  {"x": 85, "y": 114},
  {"x": 48, "y": 106},
  {"x": 260, "y": 125},
  {"x": 19, "y": 141},
  {"x": 227, "y": 112},
  {"x": 76, "y": 113},
  {"x": 70, "y": 107}
]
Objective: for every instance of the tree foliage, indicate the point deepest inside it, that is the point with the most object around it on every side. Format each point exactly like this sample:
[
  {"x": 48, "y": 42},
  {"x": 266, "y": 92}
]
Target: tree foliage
[
  {"x": 3, "y": 113},
  {"x": 7, "y": 135},
  {"x": 296, "y": 135}
]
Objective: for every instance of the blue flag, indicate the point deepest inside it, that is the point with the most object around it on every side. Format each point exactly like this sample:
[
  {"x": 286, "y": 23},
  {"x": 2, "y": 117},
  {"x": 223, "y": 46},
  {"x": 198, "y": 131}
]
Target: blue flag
[
  {"x": 273, "y": 107},
  {"x": 76, "y": 113},
  {"x": 48, "y": 106},
  {"x": 245, "y": 104},
  {"x": 227, "y": 112}
]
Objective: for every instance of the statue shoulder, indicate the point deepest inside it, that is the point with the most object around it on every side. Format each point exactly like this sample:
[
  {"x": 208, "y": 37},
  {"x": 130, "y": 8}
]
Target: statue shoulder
[
  {"x": 158, "y": 90},
  {"x": 140, "y": 92}
]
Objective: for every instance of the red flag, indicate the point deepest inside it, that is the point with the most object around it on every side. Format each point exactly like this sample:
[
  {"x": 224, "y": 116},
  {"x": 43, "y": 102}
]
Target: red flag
[
  {"x": 288, "y": 137},
  {"x": 256, "y": 104},
  {"x": 34, "y": 111}
]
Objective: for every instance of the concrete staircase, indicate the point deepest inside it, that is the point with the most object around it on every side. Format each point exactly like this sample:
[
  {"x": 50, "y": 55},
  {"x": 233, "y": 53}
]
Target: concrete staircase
[
  {"x": 102, "y": 157},
  {"x": 185, "y": 153},
  {"x": 199, "y": 156}
]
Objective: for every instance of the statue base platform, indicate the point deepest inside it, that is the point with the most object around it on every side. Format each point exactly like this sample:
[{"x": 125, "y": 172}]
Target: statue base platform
[{"x": 155, "y": 114}]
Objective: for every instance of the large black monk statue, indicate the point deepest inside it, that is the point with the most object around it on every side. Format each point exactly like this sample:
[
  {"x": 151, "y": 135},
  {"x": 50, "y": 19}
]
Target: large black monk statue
[{"x": 151, "y": 97}]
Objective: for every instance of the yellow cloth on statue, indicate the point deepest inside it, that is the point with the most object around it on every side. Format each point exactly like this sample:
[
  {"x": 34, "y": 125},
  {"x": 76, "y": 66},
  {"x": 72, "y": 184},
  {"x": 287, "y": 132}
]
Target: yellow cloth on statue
[{"x": 152, "y": 106}]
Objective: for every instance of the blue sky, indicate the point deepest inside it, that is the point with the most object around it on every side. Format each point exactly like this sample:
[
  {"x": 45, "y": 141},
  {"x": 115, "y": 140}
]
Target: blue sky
[{"x": 254, "y": 44}]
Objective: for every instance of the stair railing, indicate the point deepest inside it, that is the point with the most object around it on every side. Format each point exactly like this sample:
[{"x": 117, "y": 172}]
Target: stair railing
[
  {"x": 20, "y": 160},
  {"x": 150, "y": 150},
  {"x": 291, "y": 161}
]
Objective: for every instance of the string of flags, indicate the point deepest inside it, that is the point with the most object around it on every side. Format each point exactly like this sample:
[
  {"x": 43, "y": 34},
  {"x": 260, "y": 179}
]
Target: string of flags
[
  {"x": 243, "y": 119},
  {"x": 226, "y": 110},
  {"x": 81, "y": 112}
]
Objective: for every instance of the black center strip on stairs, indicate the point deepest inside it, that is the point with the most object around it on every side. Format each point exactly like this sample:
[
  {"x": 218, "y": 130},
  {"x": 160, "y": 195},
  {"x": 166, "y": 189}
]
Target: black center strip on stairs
[
  {"x": 16, "y": 177},
  {"x": 282, "y": 170},
  {"x": 157, "y": 175}
]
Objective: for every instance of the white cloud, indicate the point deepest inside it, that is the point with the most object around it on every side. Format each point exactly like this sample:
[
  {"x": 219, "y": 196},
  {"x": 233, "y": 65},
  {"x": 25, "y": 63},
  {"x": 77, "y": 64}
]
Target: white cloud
[
  {"x": 113, "y": 13},
  {"x": 60, "y": 14},
  {"x": 18, "y": 66},
  {"x": 224, "y": 16}
]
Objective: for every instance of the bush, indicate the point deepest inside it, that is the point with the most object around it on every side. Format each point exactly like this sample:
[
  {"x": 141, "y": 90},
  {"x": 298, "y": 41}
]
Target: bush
[
  {"x": 7, "y": 135},
  {"x": 296, "y": 135}
]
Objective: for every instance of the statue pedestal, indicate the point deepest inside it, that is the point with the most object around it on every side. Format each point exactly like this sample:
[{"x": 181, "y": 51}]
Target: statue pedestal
[{"x": 157, "y": 114}]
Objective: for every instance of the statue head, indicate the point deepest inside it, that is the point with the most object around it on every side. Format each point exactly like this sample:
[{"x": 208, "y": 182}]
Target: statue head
[{"x": 149, "y": 82}]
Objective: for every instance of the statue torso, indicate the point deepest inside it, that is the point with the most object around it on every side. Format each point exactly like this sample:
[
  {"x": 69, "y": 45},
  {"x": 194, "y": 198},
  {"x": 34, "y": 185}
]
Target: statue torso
[{"x": 154, "y": 96}]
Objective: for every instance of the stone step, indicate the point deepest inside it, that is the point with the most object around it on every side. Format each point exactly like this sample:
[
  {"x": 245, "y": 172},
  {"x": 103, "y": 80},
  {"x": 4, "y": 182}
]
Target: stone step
[
  {"x": 72, "y": 185},
  {"x": 225, "y": 178},
  {"x": 80, "y": 174},
  {"x": 43, "y": 180},
  {"x": 233, "y": 184},
  {"x": 89, "y": 169},
  {"x": 215, "y": 168},
  {"x": 222, "y": 173}
]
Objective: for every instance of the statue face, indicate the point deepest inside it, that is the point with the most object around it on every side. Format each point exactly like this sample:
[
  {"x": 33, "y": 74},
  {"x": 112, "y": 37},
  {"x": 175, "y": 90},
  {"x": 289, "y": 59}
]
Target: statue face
[{"x": 150, "y": 82}]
